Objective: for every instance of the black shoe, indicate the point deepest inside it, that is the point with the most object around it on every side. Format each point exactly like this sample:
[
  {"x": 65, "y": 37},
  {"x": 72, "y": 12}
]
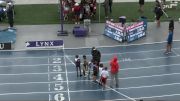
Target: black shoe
[{"x": 111, "y": 86}]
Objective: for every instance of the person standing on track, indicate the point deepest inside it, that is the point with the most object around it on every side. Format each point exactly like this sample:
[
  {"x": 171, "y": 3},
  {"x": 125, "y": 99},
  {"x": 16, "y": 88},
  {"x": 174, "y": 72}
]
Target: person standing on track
[
  {"x": 104, "y": 76},
  {"x": 170, "y": 37},
  {"x": 77, "y": 62},
  {"x": 85, "y": 65},
  {"x": 96, "y": 56},
  {"x": 114, "y": 71}
]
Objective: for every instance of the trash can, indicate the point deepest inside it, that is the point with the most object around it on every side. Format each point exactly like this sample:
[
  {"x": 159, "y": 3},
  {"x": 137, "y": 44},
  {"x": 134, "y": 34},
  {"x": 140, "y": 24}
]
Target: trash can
[
  {"x": 144, "y": 19},
  {"x": 122, "y": 20}
]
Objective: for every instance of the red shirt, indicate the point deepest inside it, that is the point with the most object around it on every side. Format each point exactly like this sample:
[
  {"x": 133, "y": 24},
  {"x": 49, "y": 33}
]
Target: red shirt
[
  {"x": 114, "y": 65},
  {"x": 77, "y": 8}
]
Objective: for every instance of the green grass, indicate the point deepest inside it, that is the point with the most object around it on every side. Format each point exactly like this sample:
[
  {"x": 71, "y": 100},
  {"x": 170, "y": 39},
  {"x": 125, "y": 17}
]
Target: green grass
[{"x": 49, "y": 14}]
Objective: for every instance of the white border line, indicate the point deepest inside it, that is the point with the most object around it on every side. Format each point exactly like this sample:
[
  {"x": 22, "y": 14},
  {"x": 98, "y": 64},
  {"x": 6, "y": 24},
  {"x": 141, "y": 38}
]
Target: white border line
[
  {"x": 44, "y": 73},
  {"x": 67, "y": 79},
  {"x": 25, "y": 57},
  {"x": 127, "y": 88},
  {"x": 124, "y": 45},
  {"x": 49, "y": 85},
  {"x": 96, "y": 46}
]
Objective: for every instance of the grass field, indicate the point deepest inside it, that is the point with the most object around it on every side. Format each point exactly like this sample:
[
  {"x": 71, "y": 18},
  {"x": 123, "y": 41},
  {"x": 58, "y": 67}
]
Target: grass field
[{"x": 49, "y": 14}]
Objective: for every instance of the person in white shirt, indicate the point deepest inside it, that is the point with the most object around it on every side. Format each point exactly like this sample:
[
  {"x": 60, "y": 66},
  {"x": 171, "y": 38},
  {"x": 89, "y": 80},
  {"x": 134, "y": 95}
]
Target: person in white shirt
[
  {"x": 100, "y": 71},
  {"x": 104, "y": 76}
]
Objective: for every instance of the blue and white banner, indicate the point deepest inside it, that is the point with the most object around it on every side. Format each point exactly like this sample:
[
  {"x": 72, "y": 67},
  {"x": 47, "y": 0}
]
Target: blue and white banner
[
  {"x": 114, "y": 31},
  {"x": 45, "y": 44},
  {"x": 135, "y": 31}
]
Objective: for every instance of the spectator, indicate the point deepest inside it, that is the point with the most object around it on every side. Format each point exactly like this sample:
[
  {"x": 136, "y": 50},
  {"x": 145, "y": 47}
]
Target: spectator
[
  {"x": 10, "y": 14},
  {"x": 106, "y": 7},
  {"x": 77, "y": 62},
  {"x": 141, "y": 6},
  {"x": 76, "y": 9},
  {"x": 114, "y": 71},
  {"x": 110, "y": 5},
  {"x": 93, "y": 7},
  {"x": 158, "y": 11}
]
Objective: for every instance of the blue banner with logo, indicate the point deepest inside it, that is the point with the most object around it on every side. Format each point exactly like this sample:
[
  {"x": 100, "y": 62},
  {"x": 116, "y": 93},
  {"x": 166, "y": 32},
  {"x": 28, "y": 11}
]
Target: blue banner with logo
[
  {"x": 114, "y": 30},
  {"x": 44, "y": 44},
  {"x": 136, "y": 31}
]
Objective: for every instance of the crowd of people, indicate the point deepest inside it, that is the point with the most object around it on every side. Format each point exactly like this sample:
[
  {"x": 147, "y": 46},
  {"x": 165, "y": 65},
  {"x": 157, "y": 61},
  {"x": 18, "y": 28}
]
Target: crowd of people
[
  {"x": 86, "y": 9},
  {"x": 7, "y": 11},
  {"x": 96, "y": 70}
]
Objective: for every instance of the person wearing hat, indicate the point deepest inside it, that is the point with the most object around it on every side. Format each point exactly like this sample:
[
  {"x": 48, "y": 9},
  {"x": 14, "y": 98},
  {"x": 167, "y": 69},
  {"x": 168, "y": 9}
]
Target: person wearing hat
[
  {"x": 10, "y": 14},
  {"x": 76, "y": 10}
]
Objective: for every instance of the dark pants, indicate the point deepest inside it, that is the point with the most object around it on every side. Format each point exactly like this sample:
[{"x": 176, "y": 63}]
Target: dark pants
[
  {"x": 11, "y": 22},
  {"x": 78, "y": 68},
  {"x": 110, "y": 8}
]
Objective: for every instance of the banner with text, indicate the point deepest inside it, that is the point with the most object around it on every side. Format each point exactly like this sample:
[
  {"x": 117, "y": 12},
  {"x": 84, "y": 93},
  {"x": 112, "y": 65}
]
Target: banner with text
[{"x": 45, "y": 44}]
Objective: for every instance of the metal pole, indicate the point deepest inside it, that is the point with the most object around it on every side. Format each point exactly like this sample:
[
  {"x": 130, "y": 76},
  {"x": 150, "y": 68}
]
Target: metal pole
[
  {"x": 99, "y": 10},
  {"x": 61, "y": 17},
  {"x": 61, "y": 32}
]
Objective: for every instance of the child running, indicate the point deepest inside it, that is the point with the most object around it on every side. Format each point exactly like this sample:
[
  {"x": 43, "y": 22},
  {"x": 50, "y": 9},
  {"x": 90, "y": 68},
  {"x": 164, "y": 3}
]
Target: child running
[{"x": 104, "y": 76}]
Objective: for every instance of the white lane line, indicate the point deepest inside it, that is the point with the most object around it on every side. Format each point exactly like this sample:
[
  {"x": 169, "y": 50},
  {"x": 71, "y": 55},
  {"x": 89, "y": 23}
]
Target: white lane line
[
  {"x": 175, "y": 52},
  {"x": 124, "y": 45},
  {"x": 117, "y": 92},
  {"x": 49, "y": 85},
  {"x": 160, "y": 96},
  {"x": 123, "y": 69},
  {"x": 125, "y": 78},
  {"x": 97, "y": 90},
  {"x": 36, "y": 65},
  {"x": 128, "y": 88},
  {"x": 73, "y": 63},
  {"x": 27, "y": 93},
  {"x": 150, "y": 67},
  {"x": 25, "y": 57},
  {"x": 67, "y": 79},
  {"x": 148, "y": 97},
  {"x": 138, "y": 77},
  {"x": 87, "y": 55},
  {"x": 70, "y": 60},
  {"x": 30, "y": 73},
  {"x": 160, "y": 75},
  {"x": 26, "y": 83}
]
